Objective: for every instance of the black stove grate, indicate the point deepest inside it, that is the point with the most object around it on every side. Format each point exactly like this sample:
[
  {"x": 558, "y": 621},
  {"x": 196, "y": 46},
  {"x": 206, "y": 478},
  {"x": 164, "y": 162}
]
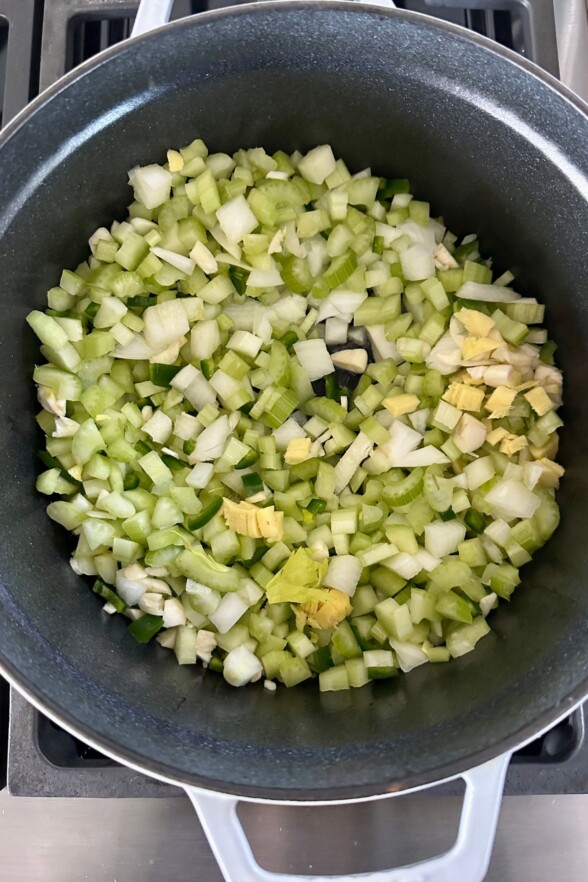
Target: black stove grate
[
  {"x": 40, "y": 40},
  {"x": 20, "y": 43}
]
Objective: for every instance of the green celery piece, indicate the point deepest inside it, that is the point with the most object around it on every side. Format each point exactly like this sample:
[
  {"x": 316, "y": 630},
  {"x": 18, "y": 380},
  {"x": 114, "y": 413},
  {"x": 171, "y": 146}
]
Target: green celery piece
[
  {"x": 200, "y": 567},
  {"x": 298, "y": 581},
  {"x": 145, "y": 628}
]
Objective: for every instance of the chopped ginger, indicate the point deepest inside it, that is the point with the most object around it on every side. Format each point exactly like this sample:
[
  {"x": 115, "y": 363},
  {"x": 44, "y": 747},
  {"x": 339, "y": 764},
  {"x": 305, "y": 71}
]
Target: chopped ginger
[
  {"x": 500, "y": 402},
  {"x": 549, "y": 449},
  {"x": 552, "y": 472},
  {"x": 328, "y": 613},
  {"x": 539, "y": 400},
  {"x": 468, "y": 379},
  {"x": 401, "y": 404},
  {"x": 475, "y": 322},
  {"x": 175, "y": 161},
  {"x": 472, "y": 347},
  {"x": 464, "y": 397},
  {"x": 511, "y": 444},
  {"x": 248, "y": 520},
  {"x": 496, "y": 435},
  {"x": 298, "y": 450}
]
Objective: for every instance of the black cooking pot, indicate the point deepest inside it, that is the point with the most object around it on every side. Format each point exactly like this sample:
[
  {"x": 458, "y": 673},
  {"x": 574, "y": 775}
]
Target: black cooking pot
[{"x": 499, "y": 148}]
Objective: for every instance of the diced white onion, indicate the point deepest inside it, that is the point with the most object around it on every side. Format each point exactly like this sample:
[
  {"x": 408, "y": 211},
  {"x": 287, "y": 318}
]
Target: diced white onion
[
  {"x": 265, "y": 278},
  {"x": 417, "y": 263},
  {"x": 159, "y": 427},
  {"x": 318, "y": 164},
  {"x": 510, "y": 499},
  {"x": 130, "y": 590},
  {"x": 387, "y": 233},
  {"x": 426, "y": 560},
  {"x": 164, "y": 323},
  {"x": 228, "y": 612},
  {"x": 470, "y": 434},
  {"x": 136, "y": 350},
  {"x": 200, "y": 393},
  {"x": 487, "y": 293},
  {"x": 498, "y": 531},
  {"x": 204, "y": 258},
  {"x": 409, "y": 655},
  {"x": 405, "y": 565},
  {"x": 204, "y": 339},
  {"x": 335, "y": 331},
  {"x": 382, "y": 348},
  {"x": 179, "y": 261},
  {"x": 245, "y": 343},
  {"x": 183, "y": 378},
  {"x": 287, "y": 432},
  {"x": 200, "y": 475},
  {"x": 236, "y": 219},
  {"x": 403, "y": 440},
  {"x": 445, "y": 356},
  {"x": 488, "y": 603},
  {"x": 314, "y": 357},
  {"x": 418, "y": 234},
  {"x": 211, "y": 442},
  {"x": 241, "y": 666},
  {"x": 151, "y": 184},
  {"x": 443, "y": 537},
  {"x": 343, "y": 573},
  {"x": 426, "y": 456},
  {"x": 353, "y": 457},
  {"x": 479, "y": 471}
]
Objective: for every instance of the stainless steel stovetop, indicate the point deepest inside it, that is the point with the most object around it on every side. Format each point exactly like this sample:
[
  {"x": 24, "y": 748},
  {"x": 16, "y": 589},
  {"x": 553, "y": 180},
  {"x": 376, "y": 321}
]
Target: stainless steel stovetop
[{"x": 69, "y": 814}]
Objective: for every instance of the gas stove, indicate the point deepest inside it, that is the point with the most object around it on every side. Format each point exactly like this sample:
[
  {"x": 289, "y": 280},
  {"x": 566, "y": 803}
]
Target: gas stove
[{"x": 131, "y": 827}]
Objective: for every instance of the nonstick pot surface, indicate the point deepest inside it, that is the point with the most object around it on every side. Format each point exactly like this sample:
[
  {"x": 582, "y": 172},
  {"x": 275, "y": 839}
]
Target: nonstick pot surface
[{"x": 499, "y": 150}]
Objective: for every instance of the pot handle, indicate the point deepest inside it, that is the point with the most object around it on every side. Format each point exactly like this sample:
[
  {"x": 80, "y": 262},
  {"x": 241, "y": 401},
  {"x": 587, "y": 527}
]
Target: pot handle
[
  {"x": 155, "y": 13},
  {"x": 467, "y": 860}
]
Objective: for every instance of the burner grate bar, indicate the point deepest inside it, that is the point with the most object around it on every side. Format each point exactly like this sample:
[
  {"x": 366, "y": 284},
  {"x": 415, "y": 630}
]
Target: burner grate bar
[
  {"x": 22, "y": 47},
  {"x": 64, "y": 44},
  {"x": 537, "y": 19},
  {"x": 57, "y": 50}
]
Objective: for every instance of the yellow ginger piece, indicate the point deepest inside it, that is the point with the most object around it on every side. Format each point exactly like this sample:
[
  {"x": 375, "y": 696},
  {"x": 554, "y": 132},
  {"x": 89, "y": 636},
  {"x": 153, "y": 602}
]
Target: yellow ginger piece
[
  {"x": 549, "y": 449},
  {"x": 298, "y": 450},
  {"x": 539, "y": 400},
  {"x": 271, "y": 523},
  {"x": 496, "y": 435},
  {"x": 465, "y": 377},
  {"x": 500, "y": 402},
  {"x": 552, "y": 472},
  {"x": 327, "y": 613},
  {"x": 241, "y": 517},
  {"x": 248, "y": 520},
  {"x": 472, "y": 347},
  {"x": 464, "y": 397},
  {"x": 401, "y": 404},
  {"x": 475, "y": 322},
  {"x": 511, "y": 444},
  {"x": 175, "y": 161}
]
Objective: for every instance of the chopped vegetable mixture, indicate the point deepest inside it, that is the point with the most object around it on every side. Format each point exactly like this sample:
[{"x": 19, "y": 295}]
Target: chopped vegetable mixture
[{"x": 297, "y": 426}]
